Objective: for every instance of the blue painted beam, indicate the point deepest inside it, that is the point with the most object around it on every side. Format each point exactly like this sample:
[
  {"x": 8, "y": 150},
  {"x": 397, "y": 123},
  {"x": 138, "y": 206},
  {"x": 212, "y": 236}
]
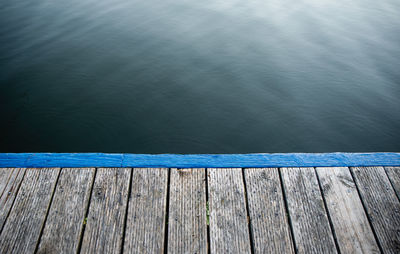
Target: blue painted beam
[{"x": 44, "y": 160}]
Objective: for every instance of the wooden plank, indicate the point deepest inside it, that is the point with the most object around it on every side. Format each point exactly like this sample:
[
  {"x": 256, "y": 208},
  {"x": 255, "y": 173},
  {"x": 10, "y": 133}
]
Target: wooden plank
[
  {"x": 60, "y": 160},
  {"x": 352, "y": 229},
  {"x": 10, "y": 190},
  {"x": 4, "y": 176},
  {"x": 229, "y": 230},
  {"x": 64, "y": 223},
  {"x": 22, "y": 228},
  {"x": 381, "y": 204},
  {"x": 146, "y": 211},
  {"x": 311, "y": 229},
  {"x": 269, "y": 224},
  {"x": 187, "y": 223},
  {"x": 70, "y": 160},
  {"x": 105, "y": 221},
  {"x": 394, "y": 177}
]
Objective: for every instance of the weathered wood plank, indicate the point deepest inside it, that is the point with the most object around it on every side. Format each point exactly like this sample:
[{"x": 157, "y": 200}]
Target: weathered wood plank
[
  {"x": 4, "y": 176},
  {"x": 381, "y": 204},
  {"x": 146, "y": 211},
  {"x": 105, "y": 222},
  {"x": 311, "y": 229},
  {"x": 260, "y": 160},
  {"x": 187, "y": 223},
  {"x": 352, "y": 229},
  {"x": 22, "y": 228},
  {"x": 10, "y": 189},
  {"x": 269, "y": 223},
  {"x": 394, "y": 177},
  {"x": 64, "y": 223},
  {"x": 229, "y": 231}
]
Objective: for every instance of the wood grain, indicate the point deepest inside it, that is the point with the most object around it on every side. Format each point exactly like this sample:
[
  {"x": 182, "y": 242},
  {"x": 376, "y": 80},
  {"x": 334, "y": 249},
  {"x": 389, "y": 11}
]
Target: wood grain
[
  {"x": 381, "y": 204},
  {"x": 260, "y": 160},
  {"x": 105, "y": 222},
  {"x": 10, "y": 190},
  {"x": 22, "y": 228},
  {"x": 146, "y": 211},
  {"x": 269, "y": 223},
  {"x": 65, "y": 220},
  {"x": 352, "y": 229},
  {"x": 394, "y": 177},
  {"x": 229, "y": 229},
  {"x": 311, "y": 229},
  {"x": 187, "y": 224},
  {"x": 4, "y": 176}
]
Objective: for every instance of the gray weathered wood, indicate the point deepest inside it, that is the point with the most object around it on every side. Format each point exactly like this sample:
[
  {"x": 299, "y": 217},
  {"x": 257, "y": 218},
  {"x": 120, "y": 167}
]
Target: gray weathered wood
[
  {"x": 146, "y": 211},
  {"x": 381, "y": 204},
  {"x": 10, "y": 189},
  {"x": 311, "y": 229},
  {"x": 394, "y": 177},
  {"x": 105, "y": 222},
  {"x": 229, "y": 230},
  {"x": 352, "y": 229},
  {"x": 65, "y": 220},
  {"x": 22, "y": 228},
  {"x": 187, "y": 223},
  {"x": 4, "y": 176},
  {"x": 269, "y": 223}
]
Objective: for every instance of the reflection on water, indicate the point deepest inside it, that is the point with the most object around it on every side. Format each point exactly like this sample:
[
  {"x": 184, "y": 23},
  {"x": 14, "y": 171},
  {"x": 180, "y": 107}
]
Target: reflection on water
[{"x": 213, "y": 76}]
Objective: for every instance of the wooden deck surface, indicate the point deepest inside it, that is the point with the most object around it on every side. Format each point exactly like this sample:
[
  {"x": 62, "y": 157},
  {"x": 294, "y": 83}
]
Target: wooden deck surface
[{"x": 200, "y": 210}]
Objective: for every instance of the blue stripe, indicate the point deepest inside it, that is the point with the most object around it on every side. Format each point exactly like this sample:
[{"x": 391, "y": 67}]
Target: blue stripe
[{"x": 43, "y": 160}]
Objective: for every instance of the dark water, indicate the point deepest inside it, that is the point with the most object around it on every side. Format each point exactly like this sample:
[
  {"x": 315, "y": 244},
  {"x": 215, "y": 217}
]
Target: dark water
[{"x": 213, "y": 76}]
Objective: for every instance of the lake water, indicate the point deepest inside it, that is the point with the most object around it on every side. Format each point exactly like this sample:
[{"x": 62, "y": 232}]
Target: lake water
[{"x": 213, "y": 76}]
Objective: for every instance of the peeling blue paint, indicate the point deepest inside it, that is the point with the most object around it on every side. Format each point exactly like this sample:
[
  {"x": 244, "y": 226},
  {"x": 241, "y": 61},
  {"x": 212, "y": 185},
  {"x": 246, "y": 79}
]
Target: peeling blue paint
[{"x": 43, "y": 160}]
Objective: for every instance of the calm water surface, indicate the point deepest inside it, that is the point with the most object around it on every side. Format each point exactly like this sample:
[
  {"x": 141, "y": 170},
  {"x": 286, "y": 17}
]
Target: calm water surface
[{"x": 213, "y": 76}]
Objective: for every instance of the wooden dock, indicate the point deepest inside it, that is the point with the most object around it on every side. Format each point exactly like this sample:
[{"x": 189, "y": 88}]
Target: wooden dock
[{"x": 200, "y": 210}]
